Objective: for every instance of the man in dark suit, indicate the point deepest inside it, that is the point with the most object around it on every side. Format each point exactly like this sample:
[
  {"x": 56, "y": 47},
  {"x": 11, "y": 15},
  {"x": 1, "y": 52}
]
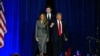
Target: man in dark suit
[
  {"x": 50, "y": 18},
  {"x": 59, "y": 33},
  {"x": 49, "y": 15}
]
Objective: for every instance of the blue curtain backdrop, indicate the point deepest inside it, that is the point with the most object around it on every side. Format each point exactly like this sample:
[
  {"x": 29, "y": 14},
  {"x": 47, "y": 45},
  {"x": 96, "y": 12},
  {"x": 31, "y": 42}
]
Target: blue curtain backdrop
[
  {"x": 79, "y": 15},
  {"x": 29, "y": 13},
  {"x": 22, "y": 14},
  {"x": 11, "y": 39}
]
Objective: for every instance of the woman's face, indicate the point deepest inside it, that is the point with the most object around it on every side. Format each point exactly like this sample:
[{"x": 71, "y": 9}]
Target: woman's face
[{"x": 42, "y": 16}]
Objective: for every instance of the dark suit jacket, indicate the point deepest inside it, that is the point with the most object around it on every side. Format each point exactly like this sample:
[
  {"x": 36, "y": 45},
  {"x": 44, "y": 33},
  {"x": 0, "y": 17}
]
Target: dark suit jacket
[
  {"x": 55, "y": 35},
  {"x": 49, "y": 22}
]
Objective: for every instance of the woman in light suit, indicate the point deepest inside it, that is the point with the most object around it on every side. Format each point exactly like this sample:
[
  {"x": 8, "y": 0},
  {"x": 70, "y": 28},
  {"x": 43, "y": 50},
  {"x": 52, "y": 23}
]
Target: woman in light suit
[{"x": 41, "y": 33}]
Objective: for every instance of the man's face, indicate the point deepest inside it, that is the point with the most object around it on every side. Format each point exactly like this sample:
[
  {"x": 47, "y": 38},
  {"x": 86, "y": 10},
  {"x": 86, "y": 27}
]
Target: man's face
[
  {"x": 48, "y": 10},
  {"x": 59, "y": 16}
]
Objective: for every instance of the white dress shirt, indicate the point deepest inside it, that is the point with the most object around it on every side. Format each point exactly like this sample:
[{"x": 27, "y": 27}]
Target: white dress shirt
[{"x": 49, "y": 15}]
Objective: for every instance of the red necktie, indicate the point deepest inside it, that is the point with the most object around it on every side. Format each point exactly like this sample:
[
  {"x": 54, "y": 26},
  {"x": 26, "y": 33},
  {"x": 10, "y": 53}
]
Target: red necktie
[{"x": 59, "y": 29}]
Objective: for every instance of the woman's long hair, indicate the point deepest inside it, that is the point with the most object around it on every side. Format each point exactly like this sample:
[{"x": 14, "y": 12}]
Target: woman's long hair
[{"x": 45, "y": 22}]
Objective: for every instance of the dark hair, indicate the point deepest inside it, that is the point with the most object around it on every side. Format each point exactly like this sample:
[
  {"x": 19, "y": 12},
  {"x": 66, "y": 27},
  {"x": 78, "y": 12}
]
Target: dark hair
[
  {"x": 44, "y": 20},
  {"x": 43, "y": 14}
]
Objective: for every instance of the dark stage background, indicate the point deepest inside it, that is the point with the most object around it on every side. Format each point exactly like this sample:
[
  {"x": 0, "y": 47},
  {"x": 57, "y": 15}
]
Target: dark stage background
[{"x": 80, "y": 16}]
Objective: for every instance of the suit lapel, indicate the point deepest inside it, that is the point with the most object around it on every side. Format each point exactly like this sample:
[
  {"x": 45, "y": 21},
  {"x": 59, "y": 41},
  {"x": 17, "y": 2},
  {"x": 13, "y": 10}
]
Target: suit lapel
[
  {"x": 56, "y": 25},
  {"x": 62, "y": 25}
]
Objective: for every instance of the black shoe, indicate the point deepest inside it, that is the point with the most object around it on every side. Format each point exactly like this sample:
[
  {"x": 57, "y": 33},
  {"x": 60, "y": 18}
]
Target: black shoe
[{"x": 45, "y": 54}]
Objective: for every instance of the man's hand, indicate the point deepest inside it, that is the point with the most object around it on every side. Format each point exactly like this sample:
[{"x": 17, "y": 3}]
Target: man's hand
[
  {"x": 37, "y": 39},
  {"x": 52, "y": 24},
  {"x": 66, "y": 39},
  {"x": 47, "y": 40}
]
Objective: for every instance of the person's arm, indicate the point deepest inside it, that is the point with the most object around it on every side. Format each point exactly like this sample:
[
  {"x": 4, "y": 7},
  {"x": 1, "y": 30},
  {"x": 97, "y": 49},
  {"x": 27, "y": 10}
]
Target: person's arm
[
  {"x": 36, "y": 31},
  {"x": 52, "y": 24},
  {"x": 48, "y": 31},
  {"x": 47, "y": 28},
  {"x": 53, "y": 18},
  {"x": 52, "y": 21},
  {"x": 65, "y": 32}
]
